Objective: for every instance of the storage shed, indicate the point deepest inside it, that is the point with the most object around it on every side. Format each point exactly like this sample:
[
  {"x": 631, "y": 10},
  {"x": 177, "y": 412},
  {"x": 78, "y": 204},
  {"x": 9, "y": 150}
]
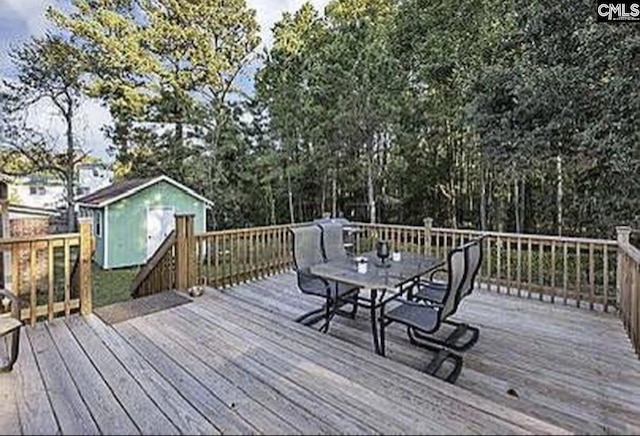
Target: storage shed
[{"x": 131, "y": 218}]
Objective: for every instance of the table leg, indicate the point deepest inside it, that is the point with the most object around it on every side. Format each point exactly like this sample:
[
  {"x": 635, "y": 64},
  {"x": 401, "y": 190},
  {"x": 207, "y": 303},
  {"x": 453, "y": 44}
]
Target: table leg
[{"x": 374, "y": 322}]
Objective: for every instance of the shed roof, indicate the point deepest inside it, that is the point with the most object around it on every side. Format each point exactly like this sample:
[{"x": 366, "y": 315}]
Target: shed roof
[{"x": 118, "y": 191}]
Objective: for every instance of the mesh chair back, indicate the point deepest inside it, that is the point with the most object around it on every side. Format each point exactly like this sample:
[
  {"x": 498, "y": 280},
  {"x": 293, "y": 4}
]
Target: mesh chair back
[
  {"x": 457, "y": 267},
  {"x": 307, "y": 250},
  {"x": 474, "y": 258},
  {"x": 333, "y": 241}
]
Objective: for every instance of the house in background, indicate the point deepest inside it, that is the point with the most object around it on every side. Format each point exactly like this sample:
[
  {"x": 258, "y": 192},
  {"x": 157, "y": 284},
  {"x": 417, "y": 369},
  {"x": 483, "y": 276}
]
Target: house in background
[
  {"x": 92, "y": 177},
  {"x": 43, "y": 191},
  {"x": 131, "y": 218},
  {"x": 18, "y": 221},
  {"x": 37, "y": 191}
]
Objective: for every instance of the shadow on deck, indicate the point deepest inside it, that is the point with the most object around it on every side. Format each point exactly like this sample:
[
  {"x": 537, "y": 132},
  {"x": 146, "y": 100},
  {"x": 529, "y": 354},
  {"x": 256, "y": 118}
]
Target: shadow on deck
[{"x": 231, "y": 361}]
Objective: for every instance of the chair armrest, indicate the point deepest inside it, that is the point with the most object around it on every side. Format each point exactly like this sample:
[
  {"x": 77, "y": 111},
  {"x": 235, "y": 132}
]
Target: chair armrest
[
  {"x": 15, "y": 302},
  {"x": 437, "y": 271}
]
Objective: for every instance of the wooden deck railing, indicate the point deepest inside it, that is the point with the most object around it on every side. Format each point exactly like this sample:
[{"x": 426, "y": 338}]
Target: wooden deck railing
[
  {"x": 575, "y": 271},
  {"x": 596, "y": 274},
  {"x": 228, "y": 257},
  {"x": 629, "y": 285},
  {"x": 158, "y": 274},
  {"x": 41, "y": 273}
]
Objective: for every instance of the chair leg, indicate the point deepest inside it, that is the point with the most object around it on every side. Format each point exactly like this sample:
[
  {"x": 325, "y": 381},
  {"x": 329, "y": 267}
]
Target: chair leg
[
  {"x": 452, "y": 341},
  {"x": 328, "y": 314},
  {"x": 318, "y": 314},
  {"x": 442, "y": 355},
  {"x": 383, "y": 324},
  {"x": 15, "y": 349}
]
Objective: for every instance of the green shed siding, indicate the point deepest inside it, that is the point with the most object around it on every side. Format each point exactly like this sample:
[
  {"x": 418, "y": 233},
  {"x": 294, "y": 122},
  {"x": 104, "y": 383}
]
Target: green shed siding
[{"x": 125, "y": 223}]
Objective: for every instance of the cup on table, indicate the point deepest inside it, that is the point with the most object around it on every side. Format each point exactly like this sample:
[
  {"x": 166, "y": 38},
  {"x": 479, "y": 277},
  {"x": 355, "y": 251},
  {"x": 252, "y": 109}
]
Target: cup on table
[
  {"x": 362, "y": 265},
  {"x": 396, "y": 256}
]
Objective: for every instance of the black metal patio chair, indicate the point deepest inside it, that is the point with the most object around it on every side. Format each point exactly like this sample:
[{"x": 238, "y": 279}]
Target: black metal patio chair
[
  {"x": 420, "y": 317},
  {"x": 307, "y": 251},
  {"x": 333, "y": 249},
  {"x": 10, "y": 329},
  {"x": 433, "y": 292},
  {"x": 333, "y": 241}
]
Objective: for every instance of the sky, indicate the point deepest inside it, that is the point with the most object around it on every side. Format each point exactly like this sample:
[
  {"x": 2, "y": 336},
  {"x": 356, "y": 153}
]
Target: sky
[{"x": 21, "y": 19}]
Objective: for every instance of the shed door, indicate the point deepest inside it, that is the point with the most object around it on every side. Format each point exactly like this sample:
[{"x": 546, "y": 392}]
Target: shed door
[{"x": 160, "y": 222}]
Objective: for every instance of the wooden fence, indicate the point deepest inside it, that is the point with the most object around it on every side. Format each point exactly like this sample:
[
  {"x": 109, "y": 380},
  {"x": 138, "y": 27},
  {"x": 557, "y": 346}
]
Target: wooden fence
[
  {"x": 629, "y": 285},
  {"x": 218, "y": 259},
  {"x": 575, "y": 271},
  {"x": 595, "y": 274},
  {"x": 233, "y": 256},
  {"x": 43, "y": 275}
]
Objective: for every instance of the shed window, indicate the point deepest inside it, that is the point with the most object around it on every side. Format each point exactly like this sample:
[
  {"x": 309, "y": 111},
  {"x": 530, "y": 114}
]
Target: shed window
[{"x": 97, "y": 223}]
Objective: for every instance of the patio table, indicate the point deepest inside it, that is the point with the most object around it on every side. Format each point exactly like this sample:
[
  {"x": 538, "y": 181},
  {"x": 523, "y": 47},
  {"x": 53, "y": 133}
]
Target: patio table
[{"x": 385, "y": 283}]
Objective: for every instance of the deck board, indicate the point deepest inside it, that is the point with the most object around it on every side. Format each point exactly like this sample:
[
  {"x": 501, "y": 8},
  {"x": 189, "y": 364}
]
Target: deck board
[
  {"x": 31, "y": 397},
  {"x": 182, "y": 414},
  {"x": 185, "y": 352},
  {"x": 232, "y": 361},
  {"x": 590, "y": 385},
  {"x": 70, "y": 410},
  {"x": 139, "y": 406},
  {"x": 221, "y": 415},
  {"x": 356, "y": 368},
  {"x": 104, "y": 407}
]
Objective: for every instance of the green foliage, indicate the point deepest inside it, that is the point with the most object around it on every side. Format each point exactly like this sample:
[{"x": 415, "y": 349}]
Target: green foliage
[
  {"x": 167, "y": 69},
  {"x": 49, "y": 70},
  {"x": 479, "y": 113}
]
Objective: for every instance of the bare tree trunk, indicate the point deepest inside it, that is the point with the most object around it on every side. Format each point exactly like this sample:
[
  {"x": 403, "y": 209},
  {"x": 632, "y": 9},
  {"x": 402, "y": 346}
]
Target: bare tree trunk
[
  {"x": 523, "y": 204},
  {"x": 70, "y": 172},
  {"x": 334, "y": 193},
  {"x": 371, "y": 193},
  {"x": 559, "y": 193},
  {"x": 483, "y": 200},
  {"x": 516, "y": 201},
  {"x": 323, "y": 198},
  {"x": 453, "y": 206},
  {"x": 290, "y": 196}
]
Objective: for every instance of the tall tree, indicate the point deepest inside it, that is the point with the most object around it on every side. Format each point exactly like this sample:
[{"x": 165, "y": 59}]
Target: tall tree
[
  {"x": 167, "y": 69},
  {"x": 49, "y": 71}
]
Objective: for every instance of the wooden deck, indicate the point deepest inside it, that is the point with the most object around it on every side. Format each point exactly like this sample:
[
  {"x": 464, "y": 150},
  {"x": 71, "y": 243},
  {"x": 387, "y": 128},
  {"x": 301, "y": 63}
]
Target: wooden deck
[{"x": 233, "y": 362}]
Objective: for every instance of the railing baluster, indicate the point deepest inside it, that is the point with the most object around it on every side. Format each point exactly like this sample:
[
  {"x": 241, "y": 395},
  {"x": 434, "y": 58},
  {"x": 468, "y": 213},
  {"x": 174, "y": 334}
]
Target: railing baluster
[
  {"x": 498, "y": 262},
  {"x": 508, "y": 241},
  {"x": 592, "y": 282},
  {"x": 553, "y": 271},
  {"x": 540, "y": 270},
  {"x": 33, "y": 289},
  {"x": 216, "y": 261},
  {"x": 67, "y": 279},
  {"x": 565, "y": 275},
  {"x": 50, "y": 279},
  {"x": 519, "y": 266},
  {"x": 529, "y": 266},
  {"x": 578, "y": 295},
  {"x": 605, "y": 275}
]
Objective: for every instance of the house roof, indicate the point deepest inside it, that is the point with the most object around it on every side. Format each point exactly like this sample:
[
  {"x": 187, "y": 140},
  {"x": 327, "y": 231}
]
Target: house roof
[{"x": 126, "y": 188}]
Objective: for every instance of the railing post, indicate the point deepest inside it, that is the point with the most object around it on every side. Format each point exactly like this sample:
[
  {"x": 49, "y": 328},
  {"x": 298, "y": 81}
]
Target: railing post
[
  {"x": 622, "y": 236},
  {"x": 185, "y": 253},
  {"x": 84, "y": 265},
  {"x": 5, "y": 257},
  {"x": 428, "y": 223}
]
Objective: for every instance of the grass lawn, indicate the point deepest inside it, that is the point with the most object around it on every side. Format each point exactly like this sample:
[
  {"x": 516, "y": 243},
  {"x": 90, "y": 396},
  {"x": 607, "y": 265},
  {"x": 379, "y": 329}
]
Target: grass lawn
[{"x": 111, "y": 286}]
